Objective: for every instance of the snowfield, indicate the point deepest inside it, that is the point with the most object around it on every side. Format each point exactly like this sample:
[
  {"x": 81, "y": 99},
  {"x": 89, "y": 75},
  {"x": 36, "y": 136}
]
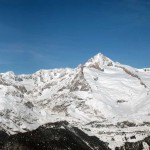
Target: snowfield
[{"x": 102, "y": 97}]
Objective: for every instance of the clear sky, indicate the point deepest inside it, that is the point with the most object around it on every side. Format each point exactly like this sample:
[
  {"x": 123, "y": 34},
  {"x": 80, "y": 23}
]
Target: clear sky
[{"x": 45, "y": 34}]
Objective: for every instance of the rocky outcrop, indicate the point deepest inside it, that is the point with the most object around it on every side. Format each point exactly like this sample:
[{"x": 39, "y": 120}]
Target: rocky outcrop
[{"x": 79, "y": 83}]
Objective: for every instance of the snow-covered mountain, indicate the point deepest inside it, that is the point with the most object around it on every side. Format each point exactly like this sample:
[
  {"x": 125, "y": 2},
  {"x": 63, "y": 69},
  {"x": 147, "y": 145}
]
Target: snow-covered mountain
[{"x": 101, "y": 97}]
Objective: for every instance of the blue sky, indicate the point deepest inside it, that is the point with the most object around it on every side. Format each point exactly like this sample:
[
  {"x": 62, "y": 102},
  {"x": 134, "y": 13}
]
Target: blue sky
[{"x": 45, "y": 34}]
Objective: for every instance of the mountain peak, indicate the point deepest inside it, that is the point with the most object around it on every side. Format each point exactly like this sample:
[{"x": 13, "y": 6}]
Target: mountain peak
[
  {"x": 98, "y": 61},
  {"x": 100, "y": 57}
]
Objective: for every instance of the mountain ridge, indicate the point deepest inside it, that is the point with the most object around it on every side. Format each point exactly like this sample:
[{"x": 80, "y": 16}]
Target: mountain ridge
[{"x": 94, "y": 58}]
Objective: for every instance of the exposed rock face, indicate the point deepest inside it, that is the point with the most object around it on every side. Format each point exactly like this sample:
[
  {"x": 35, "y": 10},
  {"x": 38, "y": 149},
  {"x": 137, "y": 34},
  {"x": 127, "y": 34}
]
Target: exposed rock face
[
  {"x": 79, "y": 83},
  {"x": 52, "y": 136}
]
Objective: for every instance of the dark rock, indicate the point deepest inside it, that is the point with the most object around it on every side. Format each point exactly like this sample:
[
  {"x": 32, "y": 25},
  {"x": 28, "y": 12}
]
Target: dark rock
[
  {"x": 133, "y": 137},
  {"x": 29, "y": 104}
]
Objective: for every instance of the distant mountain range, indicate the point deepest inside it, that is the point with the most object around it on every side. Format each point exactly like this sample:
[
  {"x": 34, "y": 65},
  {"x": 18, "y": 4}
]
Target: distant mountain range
[{"x": 101, "y": 98}]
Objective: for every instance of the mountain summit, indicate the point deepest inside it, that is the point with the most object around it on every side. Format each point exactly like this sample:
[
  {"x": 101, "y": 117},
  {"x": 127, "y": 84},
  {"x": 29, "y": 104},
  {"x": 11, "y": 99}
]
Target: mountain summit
[
  {"x": 101, "y": 97},
  {"x": 99, "y": 61}
]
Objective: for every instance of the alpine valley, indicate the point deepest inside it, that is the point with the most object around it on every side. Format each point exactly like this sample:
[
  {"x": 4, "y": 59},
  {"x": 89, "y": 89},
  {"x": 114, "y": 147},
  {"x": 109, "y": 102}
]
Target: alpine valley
[{"x": 100, "y": 105}]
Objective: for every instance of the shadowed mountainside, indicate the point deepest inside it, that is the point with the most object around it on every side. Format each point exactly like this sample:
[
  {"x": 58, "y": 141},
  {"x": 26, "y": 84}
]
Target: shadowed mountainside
[{"x": 52, "y": 136}]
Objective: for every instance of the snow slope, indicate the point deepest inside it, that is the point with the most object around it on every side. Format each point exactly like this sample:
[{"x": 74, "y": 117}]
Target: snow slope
[{"x": 101, "y": 97}]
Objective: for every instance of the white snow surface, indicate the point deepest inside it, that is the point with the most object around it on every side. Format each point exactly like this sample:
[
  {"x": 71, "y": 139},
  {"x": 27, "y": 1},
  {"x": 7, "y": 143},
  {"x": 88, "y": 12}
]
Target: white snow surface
[{"x": 103, "y": 98}]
